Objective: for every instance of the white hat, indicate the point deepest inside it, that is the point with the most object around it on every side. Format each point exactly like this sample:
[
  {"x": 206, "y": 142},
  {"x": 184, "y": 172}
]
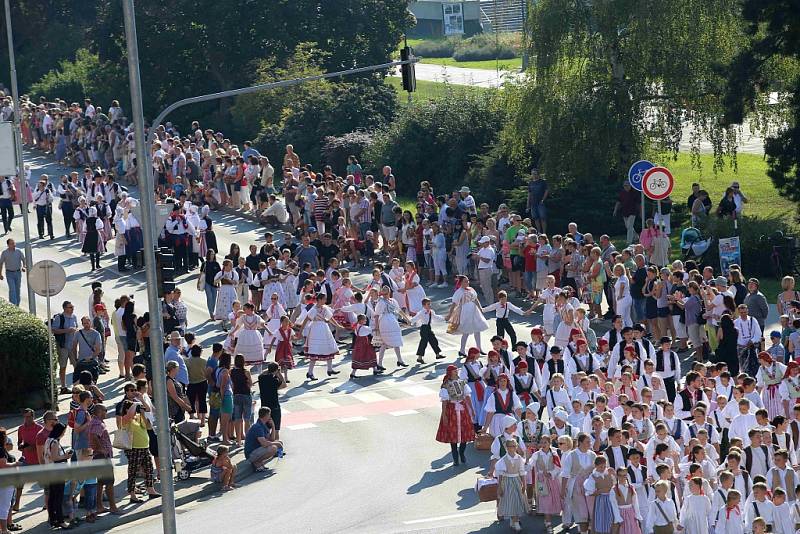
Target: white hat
[
  {"x": 533, "y": 406},
  {"x": 560, "y": 413},
  {"x": 509, "y": 420},
  {"x": 484, "y": 239},
  {"x": 465, "y": 189}
]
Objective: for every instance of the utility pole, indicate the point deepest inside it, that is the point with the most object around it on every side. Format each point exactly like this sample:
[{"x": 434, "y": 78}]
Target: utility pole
[
  {"x": 21, "y": 178},
  {"x": 153, "y": 304}
]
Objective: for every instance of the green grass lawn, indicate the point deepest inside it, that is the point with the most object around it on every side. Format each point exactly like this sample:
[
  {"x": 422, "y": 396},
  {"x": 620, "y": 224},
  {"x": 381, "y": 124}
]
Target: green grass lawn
[
  {"x": 426, "y": 89},
  {"x": 489, "y": 64}
]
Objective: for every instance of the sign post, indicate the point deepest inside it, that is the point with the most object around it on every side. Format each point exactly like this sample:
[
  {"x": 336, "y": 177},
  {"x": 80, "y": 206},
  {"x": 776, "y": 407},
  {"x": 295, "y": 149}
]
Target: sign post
[
  {"x": 636, "y": 176},
  {"x": 657, "y": 184},
  {"x": 48, "y": 279}
]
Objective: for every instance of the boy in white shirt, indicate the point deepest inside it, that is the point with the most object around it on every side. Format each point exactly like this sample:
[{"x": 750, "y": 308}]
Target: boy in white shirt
[{"x": 757, "y": 505}]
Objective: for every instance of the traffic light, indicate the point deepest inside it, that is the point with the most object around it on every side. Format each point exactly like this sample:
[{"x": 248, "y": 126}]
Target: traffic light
[
  {"x": 407, "y": 70},
  {"x": 165, "y": 273}
]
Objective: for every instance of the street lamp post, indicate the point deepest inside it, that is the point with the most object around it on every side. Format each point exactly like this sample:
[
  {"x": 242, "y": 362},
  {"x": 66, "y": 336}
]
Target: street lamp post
[
  {"x": 21, "y": 178},
  {"x": 153, "y": 304}
]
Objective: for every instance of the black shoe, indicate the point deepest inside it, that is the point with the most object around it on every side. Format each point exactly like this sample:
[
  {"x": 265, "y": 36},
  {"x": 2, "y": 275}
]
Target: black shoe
[
  {"x": 402, "y": 364},
  {"x": 420, "y": 360},
  {"x": 439, "y": 356},
  {"x": 380, "y": 368},
  {"x": 463, "y": 458},
  {"x": 152, "y": 496},
  {"x": 460, "y": 355},
  {"x": 377, "y": 372},
  {"x": 333, "y": 373},
  {"x": 311, "y": 377},
  {"x": 353, "y": 376}
]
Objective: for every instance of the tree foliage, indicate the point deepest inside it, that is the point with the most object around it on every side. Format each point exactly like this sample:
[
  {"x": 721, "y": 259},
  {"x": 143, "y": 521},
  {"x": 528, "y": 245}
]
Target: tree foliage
[
  {"x": 613, "y": 80},
  {"x": 437, "y": 140},
  {"x": 770, "y": 61}
]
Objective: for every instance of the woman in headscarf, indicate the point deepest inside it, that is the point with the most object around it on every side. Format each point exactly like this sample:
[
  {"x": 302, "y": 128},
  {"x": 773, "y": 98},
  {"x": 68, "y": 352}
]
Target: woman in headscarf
[
  {"x": 455, "y": 424},
  {"x": 80, "y": 214},
  {"x": 93, "y": 241}
]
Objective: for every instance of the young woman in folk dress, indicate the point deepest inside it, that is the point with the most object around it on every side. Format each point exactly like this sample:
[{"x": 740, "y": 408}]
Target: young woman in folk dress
[
  {"x": 342, "y": 297},
  {"x": 546, "y": 465},
  {"x": 576, "y": 466},
  {"x": 320, "y": 343},
  {"x": 283, "y": 353},
  {"x": 769, "y": 377},
  {"x": 472, "y": 372},
  {"x": 249, "y": 342},
  {"x": 466, "y": 315},
  {"x": 80, "y": 215},
  {"x": 510, "y": 471},
  {"x": 790, "y": 386},
  {"x": 226, "y": 295},
  {"x": 387, "y": 327},
  {"x": 455, "y": 424},
  {"x": 93, "y": 243},
  {"x": 412, "y": 292},
  {"x": 273, "y": 314},
  {"x": 363, "y": 353}
]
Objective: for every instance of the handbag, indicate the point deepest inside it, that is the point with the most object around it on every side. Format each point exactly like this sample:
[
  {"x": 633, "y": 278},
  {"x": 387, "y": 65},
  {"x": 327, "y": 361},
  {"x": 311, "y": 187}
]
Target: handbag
[
  {"x": 201, "y": 281},
  {"x": 122, "y": 439}
]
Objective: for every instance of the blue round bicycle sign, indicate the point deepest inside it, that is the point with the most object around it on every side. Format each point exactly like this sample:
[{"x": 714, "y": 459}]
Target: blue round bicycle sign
[{"x": 637, "y": 171}]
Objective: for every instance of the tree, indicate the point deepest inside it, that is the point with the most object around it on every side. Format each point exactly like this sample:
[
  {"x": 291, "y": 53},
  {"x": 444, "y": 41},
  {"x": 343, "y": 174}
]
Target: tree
[
  {"x": 770, "y": 61},
  {"x": 613, "y": 80}
]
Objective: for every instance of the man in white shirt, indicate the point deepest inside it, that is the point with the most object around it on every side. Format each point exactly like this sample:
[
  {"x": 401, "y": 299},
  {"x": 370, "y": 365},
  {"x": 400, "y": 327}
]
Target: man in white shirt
[
  {"x": 718, "y": 303},
  {"x": 90, "y": 111},
  {"x": 467, "y": 201},
  {"x": 486, "y": 258},
  {"x": 742, "y": 423},
  {"x": 739, "y": 199},
  {"x": 43, "y": 200},
  {"x": 749, "y": 337},
  {"x": 275, "y": 215}
]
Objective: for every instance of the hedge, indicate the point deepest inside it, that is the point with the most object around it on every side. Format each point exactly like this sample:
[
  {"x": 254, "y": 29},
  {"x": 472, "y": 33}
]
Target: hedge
[
  {"x": 25, "y": 379},
  {"x": 439, "y": 48}
]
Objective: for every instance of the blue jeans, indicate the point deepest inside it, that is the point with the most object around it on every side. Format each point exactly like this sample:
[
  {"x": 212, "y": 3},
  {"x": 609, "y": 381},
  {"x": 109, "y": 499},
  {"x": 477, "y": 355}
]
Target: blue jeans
[
  {"x": 639, "y": 309},
  {"x": 211, "y": 298},
  {"x": 14, "y": 282}
]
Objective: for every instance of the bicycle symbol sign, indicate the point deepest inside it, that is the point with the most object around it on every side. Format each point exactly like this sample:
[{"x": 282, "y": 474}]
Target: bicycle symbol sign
[
  {"x": 657, "y": 183},
  {"x": 637, "y": 171}
]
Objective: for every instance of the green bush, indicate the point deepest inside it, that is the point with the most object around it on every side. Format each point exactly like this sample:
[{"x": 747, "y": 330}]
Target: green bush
[
  {"x": 438, "y": 48},
  {"x": 26, "y": 379},
  {"x": 336, "y": 150},
  {"x": 474, "y": 52},
  {"x": 436, "y": 140},
  {"x": 756, "y": 253}
]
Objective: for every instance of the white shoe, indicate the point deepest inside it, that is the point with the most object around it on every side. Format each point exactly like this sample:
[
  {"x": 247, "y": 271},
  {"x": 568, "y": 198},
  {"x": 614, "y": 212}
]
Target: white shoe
[{"x": 516, "y": 527}]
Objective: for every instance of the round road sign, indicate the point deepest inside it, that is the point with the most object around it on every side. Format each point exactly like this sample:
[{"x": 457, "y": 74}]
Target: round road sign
[
  {"x": 47, "y": 278},
  {"x": 636, "y": 173},
  {"x": 657, "y": 183}
]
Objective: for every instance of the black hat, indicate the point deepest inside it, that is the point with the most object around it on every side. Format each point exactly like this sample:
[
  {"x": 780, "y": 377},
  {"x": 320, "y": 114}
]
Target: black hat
[
  {"x": 520, "y": 344},
  {"x": 496, "y": 338},
  {"x": 627, "y": 329},
  {"x": 555, "y": 349},
  {"x": 665, "y": 339},
  {"x": 639, "y": 327}
]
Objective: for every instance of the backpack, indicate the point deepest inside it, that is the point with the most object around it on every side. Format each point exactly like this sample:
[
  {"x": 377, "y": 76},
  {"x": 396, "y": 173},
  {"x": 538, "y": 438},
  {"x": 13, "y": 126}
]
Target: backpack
[
  {"x": 701, "y": 320},
  {"x": 61, "y": 339}
]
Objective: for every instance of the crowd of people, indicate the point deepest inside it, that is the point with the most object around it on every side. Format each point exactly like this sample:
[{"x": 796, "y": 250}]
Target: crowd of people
[{"x": 605, "y": 430}]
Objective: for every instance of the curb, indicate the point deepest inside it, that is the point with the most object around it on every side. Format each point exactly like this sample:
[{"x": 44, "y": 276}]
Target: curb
[{"x": 106, "y": 522}]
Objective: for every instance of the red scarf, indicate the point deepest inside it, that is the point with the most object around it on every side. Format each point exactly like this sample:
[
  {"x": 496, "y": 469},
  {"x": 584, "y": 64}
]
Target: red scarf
[{"x": 729, "y": 509}]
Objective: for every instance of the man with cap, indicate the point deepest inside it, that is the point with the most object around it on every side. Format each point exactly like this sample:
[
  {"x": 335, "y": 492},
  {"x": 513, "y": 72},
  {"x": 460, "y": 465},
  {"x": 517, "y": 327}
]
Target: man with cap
[
  {"x": 173, "y": 354},
  {"x": 628, "y": 206},
  {"x": 467, "y": 202},
  {"x": 486, "y": 266}
]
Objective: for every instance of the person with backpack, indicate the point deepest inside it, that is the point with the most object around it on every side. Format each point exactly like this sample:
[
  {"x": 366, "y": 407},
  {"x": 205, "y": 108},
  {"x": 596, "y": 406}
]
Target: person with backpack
[
  {"x": 87, "y": 345},
  {"x": 65, "y": 326}
]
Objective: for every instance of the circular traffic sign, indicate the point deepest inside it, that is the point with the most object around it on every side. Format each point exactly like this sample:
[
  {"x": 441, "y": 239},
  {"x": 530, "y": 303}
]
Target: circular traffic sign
[
  {"x": 47, "y": 278},
  {"x": 637, "y": 171},
  {"x": 657, "y": 183}
]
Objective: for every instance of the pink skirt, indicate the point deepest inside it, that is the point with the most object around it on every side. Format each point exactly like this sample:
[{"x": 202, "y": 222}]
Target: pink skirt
[
  {"x": 549, "y": 504},
  {"x": 630, "y": 525}
]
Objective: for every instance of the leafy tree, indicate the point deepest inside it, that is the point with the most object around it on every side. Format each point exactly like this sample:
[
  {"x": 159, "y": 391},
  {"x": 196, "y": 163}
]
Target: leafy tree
[
  {"x": 770, "y": 61},
  {"x": 612, "y": 80}
]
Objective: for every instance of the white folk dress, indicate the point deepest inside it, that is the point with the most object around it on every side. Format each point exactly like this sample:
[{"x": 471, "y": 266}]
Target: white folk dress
[
  {"x": 413, "y": 295},
  {"x": 386, "y": 311},
  {"x": 249, "y": 342},
  {"x": 273, "y": 316},
  {"x": 320, "y": 344},
  {"x": 226, "y": 295},
  {"x": 471, "y": 320}
]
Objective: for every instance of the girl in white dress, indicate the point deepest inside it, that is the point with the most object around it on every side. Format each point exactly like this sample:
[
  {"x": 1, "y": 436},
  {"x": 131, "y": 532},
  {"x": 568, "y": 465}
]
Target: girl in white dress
[
  {"x": 622, "y": 294},
  {"x": 548, "y": 298},
  {"x": 289, "y": 283},
  {"x": 226, "y": 295},
  {"x": 320, "y": 343},
  {"x": 388, "y": 328},
  {"x": 272, "y": 314},
  {"x": 412, "y": 291},
  {"x": 503, "y": 401},
  {"x": 466, "y": 315},
  {"x": 696, "y": 509},
  {"x": 249, "y": 342}
]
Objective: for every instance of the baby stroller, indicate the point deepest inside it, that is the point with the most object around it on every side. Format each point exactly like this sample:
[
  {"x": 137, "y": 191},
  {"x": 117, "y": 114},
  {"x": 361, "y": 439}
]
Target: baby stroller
[
  {"x": 693, "y": 245},
  {"x": 187, "y": 454}
]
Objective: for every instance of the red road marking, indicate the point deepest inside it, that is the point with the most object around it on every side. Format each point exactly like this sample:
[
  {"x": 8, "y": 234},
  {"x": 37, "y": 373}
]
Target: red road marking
[{"x": 360, "y": 409}]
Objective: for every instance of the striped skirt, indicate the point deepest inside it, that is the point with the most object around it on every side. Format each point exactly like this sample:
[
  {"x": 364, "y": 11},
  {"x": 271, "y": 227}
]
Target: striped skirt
[
  {"x": 603, "y": 515},
  {"x": 513, "y": 503},
  {"x": 630, "y": 525}
]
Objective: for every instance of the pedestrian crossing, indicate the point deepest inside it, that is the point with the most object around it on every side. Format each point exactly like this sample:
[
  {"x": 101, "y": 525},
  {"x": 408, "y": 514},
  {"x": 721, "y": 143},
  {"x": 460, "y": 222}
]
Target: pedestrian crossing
[{"x": 351, "y": 402}]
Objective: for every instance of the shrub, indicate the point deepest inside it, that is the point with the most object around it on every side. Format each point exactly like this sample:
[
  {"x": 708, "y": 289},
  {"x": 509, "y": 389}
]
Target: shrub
[
  {"x": 24, "y": 352},
  {"x": 438, "y": 48},
  {"x": 481, "y": 53},
  {"x": 436, "y": 140},
  {"x": 336, "y": 150},
  {"x": 755, "y": 252}
]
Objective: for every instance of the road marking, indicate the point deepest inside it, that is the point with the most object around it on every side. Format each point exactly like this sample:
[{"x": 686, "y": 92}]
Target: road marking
[
  {"x": 362, "y": 409},
  {"x": 352, "y": 419},
  {"x": 320, "y": 404},
  {"x": 453, "y": 516},
  {"x": 400, "y": 413},
  {"x": 369, "y": 396},
  {"x": 417, "y": 391},
  {"x": 304, "y": 426}
]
